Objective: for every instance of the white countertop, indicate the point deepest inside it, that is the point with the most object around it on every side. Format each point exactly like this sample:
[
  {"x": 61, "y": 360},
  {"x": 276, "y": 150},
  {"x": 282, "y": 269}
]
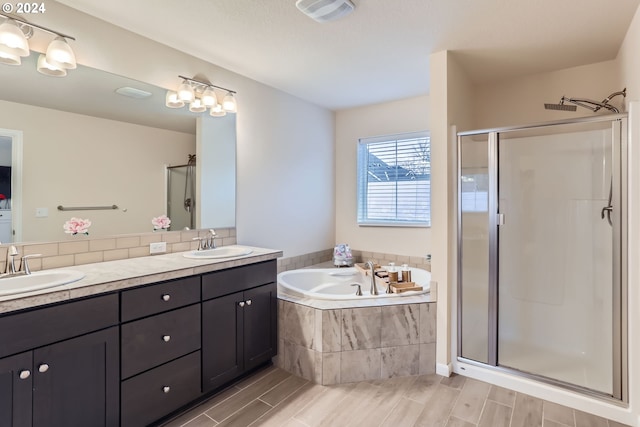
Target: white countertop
[{"x": 112, "y": 276}]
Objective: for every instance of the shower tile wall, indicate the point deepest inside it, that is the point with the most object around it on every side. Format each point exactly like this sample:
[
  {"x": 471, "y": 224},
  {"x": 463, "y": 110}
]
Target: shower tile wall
[{"x": 357, "y": 344}]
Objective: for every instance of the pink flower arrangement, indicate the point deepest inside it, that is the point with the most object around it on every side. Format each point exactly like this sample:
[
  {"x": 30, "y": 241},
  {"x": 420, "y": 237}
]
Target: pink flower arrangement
[
  {"x": 77, "y": 225},
  {"x": 161, "y": 222}
]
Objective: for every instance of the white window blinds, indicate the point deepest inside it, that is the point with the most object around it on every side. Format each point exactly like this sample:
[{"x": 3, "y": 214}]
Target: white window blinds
[{"x": 394, "y": 180}]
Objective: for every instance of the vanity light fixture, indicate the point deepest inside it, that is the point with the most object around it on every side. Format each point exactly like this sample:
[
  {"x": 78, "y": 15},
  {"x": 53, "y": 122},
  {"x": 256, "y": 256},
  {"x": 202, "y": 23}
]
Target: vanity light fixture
[
  {"x": 14, "y": 35},
  {"x": 200, "y": 96}
]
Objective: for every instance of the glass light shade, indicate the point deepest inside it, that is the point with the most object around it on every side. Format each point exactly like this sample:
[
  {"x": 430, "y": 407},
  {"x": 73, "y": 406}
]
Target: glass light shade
[
  {"x": 217, "y": 111},
  {"x": 44, "y": 67},
  {"x": 172, "y": 100},
  {"x": 185, "y": 92},
  {"x": 9, "y": 59},
  {"x": 229, "y": 103},
  {"x": 209, "y": 97},
  {"x": 60, "y": 55},
  {"x": 13, "y": 38},
  {"x": 197, "y": 106}
]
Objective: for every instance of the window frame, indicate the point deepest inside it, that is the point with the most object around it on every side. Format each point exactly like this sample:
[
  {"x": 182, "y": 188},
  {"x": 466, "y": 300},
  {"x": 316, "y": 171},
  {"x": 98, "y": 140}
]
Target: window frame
[{"x": 362, "y": 170}]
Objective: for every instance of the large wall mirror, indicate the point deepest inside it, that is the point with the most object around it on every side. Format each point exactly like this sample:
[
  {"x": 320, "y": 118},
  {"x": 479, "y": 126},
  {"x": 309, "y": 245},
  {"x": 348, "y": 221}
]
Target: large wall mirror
[{"x": 76, "y": 142}]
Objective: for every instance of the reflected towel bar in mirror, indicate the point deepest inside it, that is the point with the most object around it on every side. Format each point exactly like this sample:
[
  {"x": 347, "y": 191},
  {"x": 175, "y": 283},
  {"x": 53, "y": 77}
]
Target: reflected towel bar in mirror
[{"x": 87, "y": 208}]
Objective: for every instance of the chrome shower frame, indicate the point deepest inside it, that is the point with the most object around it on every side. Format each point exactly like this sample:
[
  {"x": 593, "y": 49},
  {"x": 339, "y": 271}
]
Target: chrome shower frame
[{"x": 619, "y": 127}]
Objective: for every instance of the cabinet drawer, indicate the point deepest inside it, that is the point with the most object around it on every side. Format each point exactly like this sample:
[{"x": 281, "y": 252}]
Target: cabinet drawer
[
  {"x": 238, "y": 279},
  {"x": 155, "y": 340},
  {"x": 156, "y": 393},
  {"x": 160, "y": 297},
  {"x": 31, "y": 329}
]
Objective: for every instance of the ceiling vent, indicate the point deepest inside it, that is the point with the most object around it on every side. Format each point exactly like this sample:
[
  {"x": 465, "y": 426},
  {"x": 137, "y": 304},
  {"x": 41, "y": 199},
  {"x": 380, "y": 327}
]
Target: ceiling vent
[{"x": 325, "y": 10}]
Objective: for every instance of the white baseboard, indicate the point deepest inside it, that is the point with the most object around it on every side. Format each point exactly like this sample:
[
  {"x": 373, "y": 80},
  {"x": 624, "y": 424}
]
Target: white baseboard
[{"x": 444, "y": 369}]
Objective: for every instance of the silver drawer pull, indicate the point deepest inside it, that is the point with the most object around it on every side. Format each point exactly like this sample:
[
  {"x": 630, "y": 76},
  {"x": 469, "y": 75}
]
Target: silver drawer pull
[
  {"x": 166, "y": 297},
  {"x": 166, "y": 389},
  {"x": 241, "y": 303},
  {"x": 25, "y": 374},
  {"x": 166, "y": 338},
  {"x": 248, "y": 302},
  {"x": 43, "y": 368}
]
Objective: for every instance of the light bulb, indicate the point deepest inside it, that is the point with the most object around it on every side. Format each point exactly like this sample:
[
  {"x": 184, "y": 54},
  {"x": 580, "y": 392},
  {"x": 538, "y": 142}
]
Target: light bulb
[
  {"x": 229, "y": 103},
  {"x": 60, "y": 55},
  {"x": 197, "y": 106},
  {"x": 12, "y": 37},
  {"x": 185, "y": 92},
  {"x": 9, "y": 59},
  {"x": 217, "y": 111},
  {"x": 209, "y": 97},
  {"x": 172, "y": 100},
  {"x": 44, "y": 67}
]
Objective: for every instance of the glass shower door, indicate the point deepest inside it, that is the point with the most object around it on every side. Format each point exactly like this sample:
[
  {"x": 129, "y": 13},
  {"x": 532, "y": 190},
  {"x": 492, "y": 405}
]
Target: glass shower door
[{"x": 557, "y": 283}]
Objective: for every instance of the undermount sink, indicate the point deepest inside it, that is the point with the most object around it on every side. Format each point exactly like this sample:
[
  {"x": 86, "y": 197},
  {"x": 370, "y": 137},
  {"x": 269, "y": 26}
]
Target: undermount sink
[
  {"x": 37, "y": 280},
  {"x": 221, "y": 252}
]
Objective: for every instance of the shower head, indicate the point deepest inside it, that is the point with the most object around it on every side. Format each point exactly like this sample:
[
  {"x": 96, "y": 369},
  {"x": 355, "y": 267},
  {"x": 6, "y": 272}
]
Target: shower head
[{"x": 560, "y": 106}]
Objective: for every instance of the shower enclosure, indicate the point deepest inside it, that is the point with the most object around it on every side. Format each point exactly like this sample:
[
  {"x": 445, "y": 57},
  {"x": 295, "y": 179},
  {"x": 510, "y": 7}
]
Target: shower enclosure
[
  {"x": 542, "y": 252},
  {"x": 181, "y": 195}
]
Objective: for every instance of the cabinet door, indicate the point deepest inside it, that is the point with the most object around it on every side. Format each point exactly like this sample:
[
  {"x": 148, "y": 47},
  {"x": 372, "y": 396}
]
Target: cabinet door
[
  {"x": 260, "y": 325},
  {"x": 222, "y": 326},
  {"x": 15, "y": 390},
  {"x": 76, "y": 382}
]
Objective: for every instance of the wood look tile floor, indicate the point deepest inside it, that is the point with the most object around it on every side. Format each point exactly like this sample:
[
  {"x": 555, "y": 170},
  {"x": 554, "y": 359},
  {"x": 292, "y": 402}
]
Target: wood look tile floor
[{"x": 275, "y": 398}]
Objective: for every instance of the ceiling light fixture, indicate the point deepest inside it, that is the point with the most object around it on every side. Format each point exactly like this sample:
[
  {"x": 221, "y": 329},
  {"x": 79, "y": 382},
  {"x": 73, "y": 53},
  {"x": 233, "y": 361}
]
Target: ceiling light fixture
[
  {"x": 14, "y": 35},
  {"x": 325, "y": 10},
  {"x": 200, "y": 96}
]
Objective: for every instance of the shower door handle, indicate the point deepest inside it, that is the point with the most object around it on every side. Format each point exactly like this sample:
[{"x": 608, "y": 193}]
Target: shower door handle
[{"x": 608, "y": 210}]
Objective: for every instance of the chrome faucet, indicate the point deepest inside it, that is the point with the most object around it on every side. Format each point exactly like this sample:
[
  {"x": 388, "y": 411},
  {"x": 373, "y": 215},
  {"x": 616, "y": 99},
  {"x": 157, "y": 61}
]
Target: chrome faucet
[
  {"x": 208, "y": 242},
  {"x": 12, "y": 253},
  {"x": 22, "y": 268},
  {"x": 372, "y": 266}
]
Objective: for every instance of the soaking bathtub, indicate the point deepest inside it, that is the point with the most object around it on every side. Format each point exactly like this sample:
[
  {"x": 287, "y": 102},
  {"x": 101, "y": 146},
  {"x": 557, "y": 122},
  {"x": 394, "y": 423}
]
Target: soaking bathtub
[{"x": 335, "y": 284}]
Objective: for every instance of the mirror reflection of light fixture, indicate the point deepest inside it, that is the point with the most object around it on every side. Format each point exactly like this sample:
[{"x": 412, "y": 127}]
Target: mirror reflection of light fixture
[
  {"x": 200, "y": 96},
  {"x": 14, "y": 35}
]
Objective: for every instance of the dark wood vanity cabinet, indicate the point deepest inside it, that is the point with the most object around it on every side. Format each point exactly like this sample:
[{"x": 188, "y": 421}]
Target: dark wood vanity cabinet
[
  {"x": 67, "y": 370},
  {"x": 15, "y": 390},
  {"x": 239, "y": 315},
  {"x": 160, "y": 343},
  {"x": 134, "y": 357}
]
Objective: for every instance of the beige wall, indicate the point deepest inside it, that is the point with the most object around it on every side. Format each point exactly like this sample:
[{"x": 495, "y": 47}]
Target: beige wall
[
  {"x": 75, "y": 160},
  {"x": 521, "y": 100},
  {"x": 282, "y": 142},
  {"x": 407, "y": 115}
]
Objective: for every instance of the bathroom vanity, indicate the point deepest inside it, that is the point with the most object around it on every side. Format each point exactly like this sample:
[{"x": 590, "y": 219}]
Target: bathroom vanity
[{"x": 129, "y": 353}]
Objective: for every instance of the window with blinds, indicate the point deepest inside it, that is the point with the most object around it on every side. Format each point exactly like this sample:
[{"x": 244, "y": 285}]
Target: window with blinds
[{"x": 394, "y": 180}]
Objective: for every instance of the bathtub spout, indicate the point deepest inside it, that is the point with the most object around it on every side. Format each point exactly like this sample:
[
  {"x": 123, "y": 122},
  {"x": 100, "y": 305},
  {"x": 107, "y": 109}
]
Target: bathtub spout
[{"x": 372, "y": 266}]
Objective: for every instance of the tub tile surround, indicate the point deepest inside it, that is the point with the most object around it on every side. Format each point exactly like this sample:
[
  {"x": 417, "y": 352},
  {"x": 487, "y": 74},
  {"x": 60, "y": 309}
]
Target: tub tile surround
[
  {"x": 320, "y": 257},
  {"x": 82, "y": 249},
  {"x": 344, "y": 345}
]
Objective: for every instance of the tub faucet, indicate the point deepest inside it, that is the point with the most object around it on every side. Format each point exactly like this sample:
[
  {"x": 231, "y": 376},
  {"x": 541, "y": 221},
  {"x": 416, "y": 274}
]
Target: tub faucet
[{"x": 372, "y": 266}]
